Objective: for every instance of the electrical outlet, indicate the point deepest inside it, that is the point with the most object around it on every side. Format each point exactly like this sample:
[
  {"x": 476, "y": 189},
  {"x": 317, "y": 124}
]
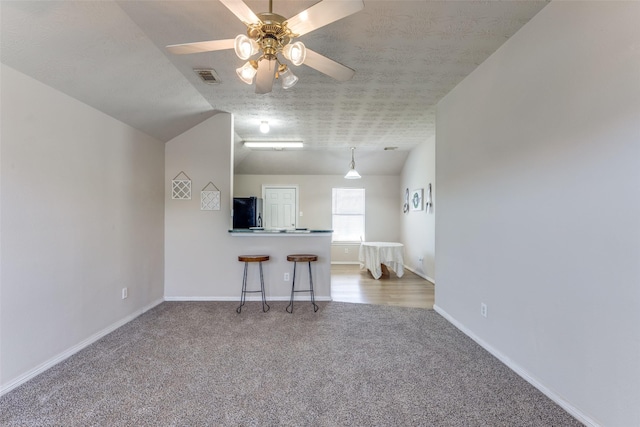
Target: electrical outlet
[
  {"x": 125, "y": 293},
  {"x": 300, "y": 213},
  {"x": 286, "y": 277},
  {"x": 483, "y": 309},
  {"x": 346, "y": 250}
]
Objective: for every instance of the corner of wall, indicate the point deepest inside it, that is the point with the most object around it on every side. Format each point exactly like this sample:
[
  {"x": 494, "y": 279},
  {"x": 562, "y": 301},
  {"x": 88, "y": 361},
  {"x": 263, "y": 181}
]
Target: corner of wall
[{"x": 418, "y": 226}]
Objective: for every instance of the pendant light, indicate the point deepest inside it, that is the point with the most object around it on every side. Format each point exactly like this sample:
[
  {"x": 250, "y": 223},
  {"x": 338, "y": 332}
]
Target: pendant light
[{"x": 353, "y": 173}]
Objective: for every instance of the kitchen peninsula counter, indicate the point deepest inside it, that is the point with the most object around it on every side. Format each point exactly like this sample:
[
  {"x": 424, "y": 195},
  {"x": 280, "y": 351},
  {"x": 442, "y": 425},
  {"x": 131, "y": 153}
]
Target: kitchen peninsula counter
[{"x": 278, "y": 244}]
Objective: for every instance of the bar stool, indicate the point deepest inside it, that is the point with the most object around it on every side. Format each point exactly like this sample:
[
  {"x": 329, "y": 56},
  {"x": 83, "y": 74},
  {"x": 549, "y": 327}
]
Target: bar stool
[
  {"x": 296, "y": 258},
  {"x": 247, "y": 259}
]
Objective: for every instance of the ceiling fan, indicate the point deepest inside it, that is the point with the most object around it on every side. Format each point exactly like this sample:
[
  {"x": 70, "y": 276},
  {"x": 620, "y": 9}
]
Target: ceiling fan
[{"x": 269, "y": 34}]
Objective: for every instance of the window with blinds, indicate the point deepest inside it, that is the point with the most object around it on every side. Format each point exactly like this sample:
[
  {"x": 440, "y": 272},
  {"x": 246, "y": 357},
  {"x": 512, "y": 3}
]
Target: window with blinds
[{"x": 347, "y": 210}]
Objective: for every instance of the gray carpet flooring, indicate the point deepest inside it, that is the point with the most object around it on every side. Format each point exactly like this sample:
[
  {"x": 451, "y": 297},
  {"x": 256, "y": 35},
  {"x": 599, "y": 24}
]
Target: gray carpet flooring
[{"x": 202, "y": 364}]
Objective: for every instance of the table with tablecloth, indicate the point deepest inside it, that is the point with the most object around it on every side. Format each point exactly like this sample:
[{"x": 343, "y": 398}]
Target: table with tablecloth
[{"x": 373, "y": 255}]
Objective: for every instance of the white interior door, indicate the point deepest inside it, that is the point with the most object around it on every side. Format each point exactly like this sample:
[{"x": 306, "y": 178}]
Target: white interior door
[{"x": 280, "y": 206}]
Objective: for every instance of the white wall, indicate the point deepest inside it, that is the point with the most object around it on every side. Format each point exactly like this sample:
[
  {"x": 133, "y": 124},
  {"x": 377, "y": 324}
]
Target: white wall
[
  {"x": 382, "y": 199},
  {"x": 418, "y": 227},
  {"x": 82, "y": 217},
  {"x": 195, "y": 240},
  {"x": 538, "y": 210}
]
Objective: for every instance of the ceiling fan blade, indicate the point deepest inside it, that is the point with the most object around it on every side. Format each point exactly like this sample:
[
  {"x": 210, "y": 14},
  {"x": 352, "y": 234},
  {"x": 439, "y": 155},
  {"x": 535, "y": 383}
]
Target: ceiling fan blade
[
  {"x": 242, "y": 11},
  {"x": 199, "y": 47},
  {"x": 321, "y": 14},
  {"x": 328, "y": 66},
  {"x": 265, "y": 76}
]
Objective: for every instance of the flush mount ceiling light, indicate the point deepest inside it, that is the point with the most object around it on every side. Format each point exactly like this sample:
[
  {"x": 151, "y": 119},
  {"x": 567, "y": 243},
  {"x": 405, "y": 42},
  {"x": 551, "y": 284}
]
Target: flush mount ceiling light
[
  {"x": 270, "y": 35},
  {"x": 353, "y": 173},
  {"x": 273, "y": 144},
  {"x": 264, "y": 126}
]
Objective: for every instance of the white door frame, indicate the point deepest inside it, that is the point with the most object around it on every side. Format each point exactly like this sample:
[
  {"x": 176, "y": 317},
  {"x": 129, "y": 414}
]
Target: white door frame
[{"x": 264, "y": 198}]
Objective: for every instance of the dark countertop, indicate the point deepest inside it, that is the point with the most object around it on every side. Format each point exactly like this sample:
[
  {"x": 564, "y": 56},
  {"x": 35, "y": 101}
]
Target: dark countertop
[{"x": 278, "y": 232}]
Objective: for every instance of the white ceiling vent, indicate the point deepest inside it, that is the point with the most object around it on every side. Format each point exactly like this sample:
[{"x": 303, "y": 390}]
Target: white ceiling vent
[{"x": 208, "y": 75}]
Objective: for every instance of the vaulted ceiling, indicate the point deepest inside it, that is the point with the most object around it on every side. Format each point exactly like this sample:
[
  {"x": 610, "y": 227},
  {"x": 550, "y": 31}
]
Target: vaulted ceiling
[{"x": 407, "y": 55}]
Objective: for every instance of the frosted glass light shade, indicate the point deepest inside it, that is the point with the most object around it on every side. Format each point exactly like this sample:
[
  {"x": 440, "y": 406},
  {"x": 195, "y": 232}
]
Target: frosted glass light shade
[
  {"x": 245, "y": 47},
  {"x": 246, "y": 73},
  {"x": 288, "y": 79},
  {"x": 295, "y": 52},
  {"x": 352, "y": 174}
]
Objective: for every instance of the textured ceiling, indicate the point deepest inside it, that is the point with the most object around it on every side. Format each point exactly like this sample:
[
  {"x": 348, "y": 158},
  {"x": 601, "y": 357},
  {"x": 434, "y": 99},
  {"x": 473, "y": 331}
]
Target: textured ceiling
[{"x": 407, "y": 56}]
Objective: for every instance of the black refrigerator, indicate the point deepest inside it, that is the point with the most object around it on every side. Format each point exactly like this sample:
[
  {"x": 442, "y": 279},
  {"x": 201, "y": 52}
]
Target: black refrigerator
[{"x": 247, "y": 212}]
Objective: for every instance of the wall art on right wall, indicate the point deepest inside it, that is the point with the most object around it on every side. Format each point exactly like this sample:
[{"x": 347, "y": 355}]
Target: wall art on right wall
[{"x": 416, "y": 200}]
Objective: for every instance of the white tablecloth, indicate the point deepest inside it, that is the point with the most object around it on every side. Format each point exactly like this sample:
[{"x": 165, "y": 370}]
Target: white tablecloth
[{"x": 374, "y": 254}]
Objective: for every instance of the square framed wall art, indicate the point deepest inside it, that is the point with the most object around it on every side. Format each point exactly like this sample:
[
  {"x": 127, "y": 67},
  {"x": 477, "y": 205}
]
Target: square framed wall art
[{"x": 417, "y": 199}]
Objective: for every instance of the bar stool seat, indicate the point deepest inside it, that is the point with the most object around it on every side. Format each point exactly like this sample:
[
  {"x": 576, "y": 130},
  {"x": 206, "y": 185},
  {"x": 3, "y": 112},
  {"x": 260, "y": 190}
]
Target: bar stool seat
[
  {"x": 296, "y": 258},
  {"x": 251, "y": 259}
]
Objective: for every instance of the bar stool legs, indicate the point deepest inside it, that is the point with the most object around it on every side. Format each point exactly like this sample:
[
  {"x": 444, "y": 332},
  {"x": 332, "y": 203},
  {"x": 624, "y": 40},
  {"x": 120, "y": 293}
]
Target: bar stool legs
[
  {"x": 308, "y": 259},
  {"x": 243, "y": 295}
]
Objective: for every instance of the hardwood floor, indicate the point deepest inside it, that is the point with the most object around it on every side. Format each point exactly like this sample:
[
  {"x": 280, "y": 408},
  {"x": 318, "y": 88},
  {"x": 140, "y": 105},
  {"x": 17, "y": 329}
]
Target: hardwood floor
[{"x": 350, "y": 284}]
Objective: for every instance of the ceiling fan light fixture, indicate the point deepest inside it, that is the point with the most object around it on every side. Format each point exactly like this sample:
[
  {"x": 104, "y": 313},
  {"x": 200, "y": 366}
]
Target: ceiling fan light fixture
[
  {"x": 245, "y": 47},
  {"x": 353, "y": 173},
  {"x": 269, "y": 35},
  {"x": 288, "y": 78},
  {"x": 247, "y": 72},
  {"x": 295, "y": 52}
]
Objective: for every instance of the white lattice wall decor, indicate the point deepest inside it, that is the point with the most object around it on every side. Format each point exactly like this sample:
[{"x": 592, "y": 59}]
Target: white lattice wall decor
[
  {"x": 181, "y": 188},
  {"x": 210, "y": 199}
]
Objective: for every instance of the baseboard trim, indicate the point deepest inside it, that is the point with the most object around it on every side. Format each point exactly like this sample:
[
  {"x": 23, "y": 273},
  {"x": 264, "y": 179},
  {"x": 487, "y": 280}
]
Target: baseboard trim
[
  {"x": 16, "y": 382},
  {"x": 249, "y": 298},
  {"x": 523, "y": 373},
  {"x": 424, "y": 276}
]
